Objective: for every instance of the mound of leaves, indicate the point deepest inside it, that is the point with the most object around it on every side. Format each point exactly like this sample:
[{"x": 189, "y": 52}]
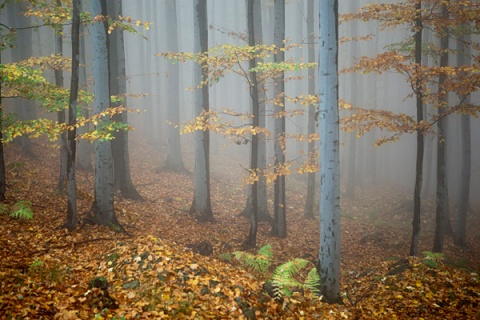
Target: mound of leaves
[
  {"x": 414, "y": 288},
  {"x": 147, "y": 278}
]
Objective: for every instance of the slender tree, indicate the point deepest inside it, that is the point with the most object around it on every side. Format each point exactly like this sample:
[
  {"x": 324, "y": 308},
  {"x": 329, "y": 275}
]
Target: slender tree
[
  {"x": 118, "y": 86},
  {"x": 201, "y": 205},
  {"x": 3, "y": 181},
  {"x": 102, "y": 208},
  {"x": 174, "y": 161},
  {"x": 61, "y": 113},
  {"x": 464, "y": 58},
  {"x": 279, "y": 227},
  {"x": 253, "y": 87},
  {"x": 70, "y": 143},
  {"x": 329, "y": 259},
  {"x": 309, "y": 211},
  {"x": 418, "y": 88}
]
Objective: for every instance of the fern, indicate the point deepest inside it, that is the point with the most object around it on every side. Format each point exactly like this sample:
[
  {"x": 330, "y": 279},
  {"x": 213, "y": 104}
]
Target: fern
[
  {"x": 259, "y": 262},
  {"x": 284, "y": 277},
  {"x": 22, "y": 210},
  {"x": 432, "y": 258}
]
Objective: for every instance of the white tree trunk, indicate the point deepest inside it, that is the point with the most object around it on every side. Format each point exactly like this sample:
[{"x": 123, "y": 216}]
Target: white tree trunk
[{"x": 329, "y": 269}]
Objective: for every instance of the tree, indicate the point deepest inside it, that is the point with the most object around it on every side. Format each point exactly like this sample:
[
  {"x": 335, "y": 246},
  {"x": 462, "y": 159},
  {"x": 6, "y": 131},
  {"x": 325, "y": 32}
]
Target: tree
[
  {"x": 118, "y": 86},
  {"x": 329, "y": 259},
  {"x": 201, "y": 206},
  {"x": 61, "y": 113},
  {"x": 70, "y": 143},
  {"x": 279, "y": 227},
  {"x": 262, "y": 204},
  {"x": 310, "y": 201},
  {"x": 174, "y": 160},
  {"x": 253, "y": 89},
  {"x": 102, "y": 207}
]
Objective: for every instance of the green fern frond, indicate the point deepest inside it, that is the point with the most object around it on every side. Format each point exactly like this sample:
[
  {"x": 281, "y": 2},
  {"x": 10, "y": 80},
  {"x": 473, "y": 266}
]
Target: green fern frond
[
  {"x": 312, "y": 281},
  {"x": 22, "y": 210},
  {"x": 284, "y": 277},
  {"x": 266, "y": 251},
  {"x": 259, "y": 263}
]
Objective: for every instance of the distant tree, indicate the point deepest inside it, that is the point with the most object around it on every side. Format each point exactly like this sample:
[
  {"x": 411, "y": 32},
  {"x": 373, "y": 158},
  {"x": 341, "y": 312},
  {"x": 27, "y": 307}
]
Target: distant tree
[
  {"x": 201, "y": 206},
  {"x": 309, "y": 211},
  {"x": 3, "y": 178},
  {"x": 23, "y": 50},
  {"x": 118, "y": 87},
  {"x": 70, "y": 144},
  {"x": 62, "y": 177},
  {"x": 102, "y": 208},
  {"x": 174, "y": 160},
  {"x": 329, "y": 147},
  {"x": 279, "y": 227}
]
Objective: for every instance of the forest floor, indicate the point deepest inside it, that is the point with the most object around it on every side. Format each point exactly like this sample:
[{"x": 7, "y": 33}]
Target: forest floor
[{"x": 152, "y": 272}]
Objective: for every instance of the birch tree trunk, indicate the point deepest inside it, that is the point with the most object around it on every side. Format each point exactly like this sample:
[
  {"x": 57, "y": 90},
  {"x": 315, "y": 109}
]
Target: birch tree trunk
[
  {"x": 201, "y": 207},
  {"x": 279, "y": 227},
  {"x": 329, "y": 255},
  {"x": 104, "y": 182}
]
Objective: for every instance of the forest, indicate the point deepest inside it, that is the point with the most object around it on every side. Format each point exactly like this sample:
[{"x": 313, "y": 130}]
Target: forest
[{"x": 239, "y": 159}]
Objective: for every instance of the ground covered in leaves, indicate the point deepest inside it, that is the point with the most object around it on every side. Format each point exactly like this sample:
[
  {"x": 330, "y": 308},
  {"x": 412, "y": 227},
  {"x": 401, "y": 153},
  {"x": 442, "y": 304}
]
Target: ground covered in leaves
[{"x": 155, "y": 270}]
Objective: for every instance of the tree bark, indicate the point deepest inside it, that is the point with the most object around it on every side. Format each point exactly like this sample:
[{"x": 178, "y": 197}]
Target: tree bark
[
  {"x": 329, "y": 255},
  {"x": 201, "y": 206},
  {"x": 279, "y": 227},
  {"x": 102, "y": 208},
  {"x": 3, "y": 178}
]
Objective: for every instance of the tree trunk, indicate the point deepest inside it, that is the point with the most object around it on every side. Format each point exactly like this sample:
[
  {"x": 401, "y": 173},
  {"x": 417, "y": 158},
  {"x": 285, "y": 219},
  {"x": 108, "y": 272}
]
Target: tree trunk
[
  {"x": 174, "y": 160},
  {"x": 201, "y": 206},
  {"x": 102, "y": 208},
  {"x": 262, "y": 204},
  {"x": 61, "y": 114},
  {"x": 23, "y": 50},
  {"x": 309, "y": 211},
  {"x": 329, "y": 255},
  {"x": 70, "y": 144},
  {"x": 420, "y": 138},
  {"x": 279, "y": 227},
  {"x": 3, "y": 180},
  {"x": 252, "y": 234},
  {"x": 464, "y": 58},
  {"x": 118, "y": 86},
  {"x": 442, "y": 188},
  {"x": 84, "y": 154}
]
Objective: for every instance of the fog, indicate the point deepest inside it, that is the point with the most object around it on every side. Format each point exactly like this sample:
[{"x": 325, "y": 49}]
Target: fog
[{"x": 392, "y": 164}]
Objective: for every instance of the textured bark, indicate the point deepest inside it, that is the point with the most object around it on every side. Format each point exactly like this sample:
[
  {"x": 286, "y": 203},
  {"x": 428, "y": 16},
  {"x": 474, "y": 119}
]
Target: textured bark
[
  {"x": 70, "y": 144},
  {"x": 279, "y": 227},
  {"x": 61, "y": 115},
  {"x": 329, "y": 255},
  {"x": 118, "y": 86},
  {"x": 420, "y": 138},
  {"x": 174, "y": 161},
  {"x": 104, "y": 182},
  {"x": 201, "y": 206},
  {"x": 309, "y": 210}
]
